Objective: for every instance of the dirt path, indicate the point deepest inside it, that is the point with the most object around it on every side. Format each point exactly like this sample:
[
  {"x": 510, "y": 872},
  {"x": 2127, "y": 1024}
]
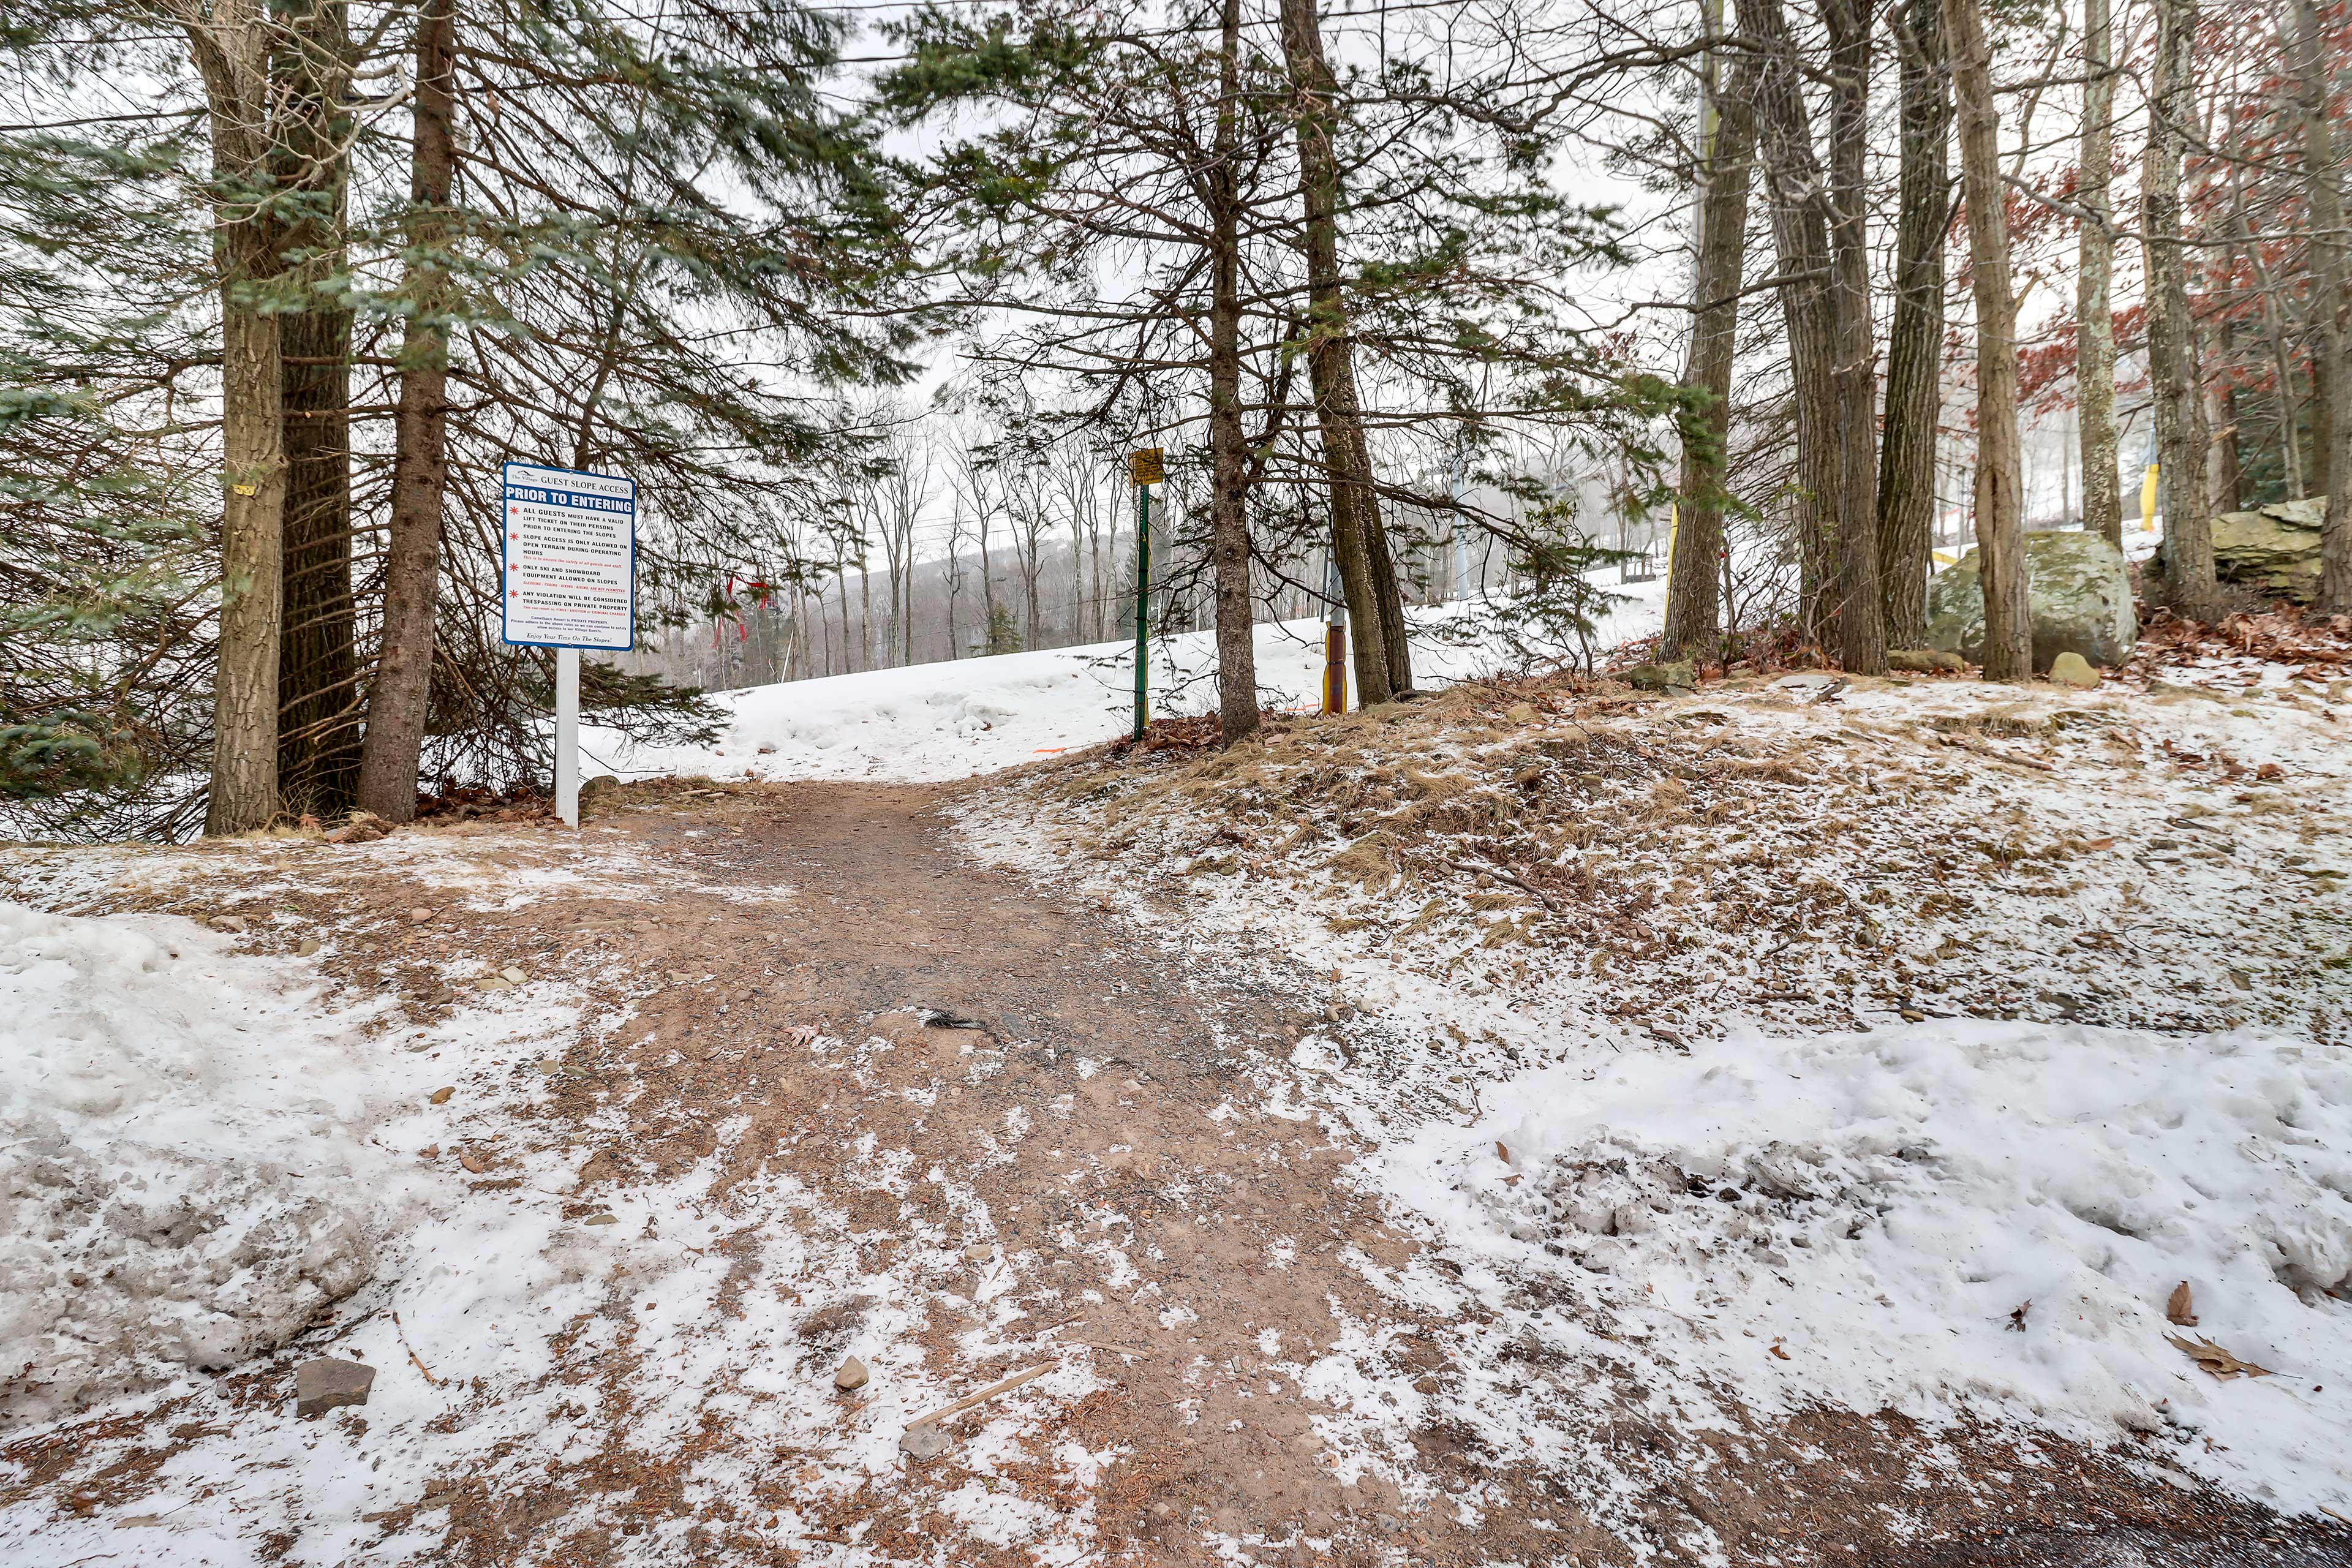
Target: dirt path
[
  {"x": 1040, "y": 1138},
  {"x": 1226, "y": 1246}
]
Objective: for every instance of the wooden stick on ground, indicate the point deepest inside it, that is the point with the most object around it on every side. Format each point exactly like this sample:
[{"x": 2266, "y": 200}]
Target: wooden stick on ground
[
  {"x": 972, "y": 1400},
  {"x": 436, "y": 1382}
]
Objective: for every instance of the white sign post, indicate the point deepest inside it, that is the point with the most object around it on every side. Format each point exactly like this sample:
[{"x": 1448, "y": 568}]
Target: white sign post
[{"x": 570, "y": 549}]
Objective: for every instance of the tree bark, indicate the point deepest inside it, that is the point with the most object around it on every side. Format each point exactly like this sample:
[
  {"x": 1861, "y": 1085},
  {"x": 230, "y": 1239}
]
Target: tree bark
[
  {"x": 1237, "y": 712},
  {"x": 1798, "y": 201},
  {"x": 1914, "y": 353},
  {"x": 2331, "y": 276},
  {"x": 2095, "y": 324},
  {"x": 2000, "y": 483},
  {"x": 1728, "y": 141},
  {"x": 1858, "y": 614},
  {"x": 2181, "y": 431},
  {"x": 318, "y": 663},
  {"x": 231, "y": 42},
  {"x": 1356, "y": 528},
  {"x": 399, "y": 697}
]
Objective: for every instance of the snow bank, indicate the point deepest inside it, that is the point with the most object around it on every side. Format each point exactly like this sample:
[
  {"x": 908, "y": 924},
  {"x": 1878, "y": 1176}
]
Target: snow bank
[
  {"x": 955, "y": 719},
  {"x": 1880, "y": 1206},
  {"x": 182, "y": 1180}
]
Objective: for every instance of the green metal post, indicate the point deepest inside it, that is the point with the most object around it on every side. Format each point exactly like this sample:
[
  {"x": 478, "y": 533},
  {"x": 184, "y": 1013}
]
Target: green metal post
[{"x": 1142, "y": 607}]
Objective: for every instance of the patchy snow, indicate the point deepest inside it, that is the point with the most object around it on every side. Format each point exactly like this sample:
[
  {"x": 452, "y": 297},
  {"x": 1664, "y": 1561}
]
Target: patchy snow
[
  {"x": 1959, "y": 1214},
  {"x": 272, "y": 1170},
  {"x": 185, "y": 1175},
  {"x": 2066, "y": 1021},
  {"x": 965, "y": 717}
]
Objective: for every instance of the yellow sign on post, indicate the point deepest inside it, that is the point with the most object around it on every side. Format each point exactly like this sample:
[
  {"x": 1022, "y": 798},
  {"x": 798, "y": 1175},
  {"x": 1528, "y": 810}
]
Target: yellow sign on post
[{"x": 1145, "y": 468}]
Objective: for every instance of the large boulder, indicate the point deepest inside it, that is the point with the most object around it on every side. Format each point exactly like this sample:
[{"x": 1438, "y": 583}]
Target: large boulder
[
  {"x": 2272, "y": 548},
  {"x": 2079, "y": 589}
]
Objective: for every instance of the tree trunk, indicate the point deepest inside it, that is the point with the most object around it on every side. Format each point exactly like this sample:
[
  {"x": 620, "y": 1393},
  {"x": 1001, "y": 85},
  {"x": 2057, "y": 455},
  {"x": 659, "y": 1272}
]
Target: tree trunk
[
  {"x": 318, "y": 659},
  {"x": 1914, "y": 353},
  {"x": 2180, "y": 433},
  {"x": 1858, "y": 617},
  {"x": 2095, "y": 324},
  {"x": 1237, "y": 714},
  {"x": 1798, "y": 203},
  {"x": 318, "y": 663},
  {"x": 2000, "y": 485},
  {"x": 1727, "y": 145},
  {"x": 232, "y": 47},
  {"x": 2331, "y": 278},
  {"x": 864, "y": 615},
  {"x": 399, "y": 697},
  {"x": 1355, "y": 525}
]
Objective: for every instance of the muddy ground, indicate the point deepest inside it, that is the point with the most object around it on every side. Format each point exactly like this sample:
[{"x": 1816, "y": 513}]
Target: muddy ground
[{"x": 965, "y": 1001}]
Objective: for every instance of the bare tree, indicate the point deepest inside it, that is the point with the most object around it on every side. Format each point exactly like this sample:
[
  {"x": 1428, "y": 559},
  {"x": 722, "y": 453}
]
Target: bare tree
[
  {"x": 2000, "y": 481},
  {"x": 1915, "y": 356},
  {"x": 2181, "y": 435},
  {"x": 2095, "y": 328},
  {"x": 2331, "y": 278},
  {"x": 1727, "y": 145}
]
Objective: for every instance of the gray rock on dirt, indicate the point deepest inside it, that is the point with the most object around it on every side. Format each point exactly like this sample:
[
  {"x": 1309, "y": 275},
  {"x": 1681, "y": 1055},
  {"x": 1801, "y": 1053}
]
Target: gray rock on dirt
[
  {"x": 2080, "y": 592},
  {"x": 327, "y": 1384},
  {"x": 924, "y": 1442},
  {"x": 852, "y": 1375}
]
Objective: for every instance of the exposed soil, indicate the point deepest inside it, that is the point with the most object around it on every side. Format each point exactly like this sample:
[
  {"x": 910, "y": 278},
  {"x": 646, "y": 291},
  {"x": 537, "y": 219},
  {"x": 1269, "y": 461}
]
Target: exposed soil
[{"x": 964, "y": 1001}]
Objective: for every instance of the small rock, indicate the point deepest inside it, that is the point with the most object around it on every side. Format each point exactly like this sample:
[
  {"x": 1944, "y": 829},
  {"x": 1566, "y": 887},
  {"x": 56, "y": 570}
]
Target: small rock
[
  {"x": 1520, "y": 712},
  {"x": 442, "y": 1096},
  {"x": 851, "y": 1376},
  {"x": 430, "y": 1151},
  {"x": 1389, "y": 1522},
  {"x": 327, "y": 1384},
  {"x": 308, "y": 945},
  {"x": 2070, "y": 668},
  {"x": 1681, "y": 675},
  {"x": 1424, "y": 1386},
  {"x": 601, "y": 1219},
  {"x": 979, "y": 1252},
  {"x": 233, "y": 924},
  {"x": 514, "y": 976},
  {"x": 419, "y": 915},
  {"x": 923, "y": 1442}
]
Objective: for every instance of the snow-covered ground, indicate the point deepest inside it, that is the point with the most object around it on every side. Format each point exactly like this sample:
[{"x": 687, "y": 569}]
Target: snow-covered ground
[
  {"x": 1620, "y": 1100},
  {"x": 186, "y": 1178},
  {"x": 1956, "y": 1215},
  {"x": 1725, "y": 1122},
  {"x": 210, "y": 1156},
  {"x": 931, "y": 722}
]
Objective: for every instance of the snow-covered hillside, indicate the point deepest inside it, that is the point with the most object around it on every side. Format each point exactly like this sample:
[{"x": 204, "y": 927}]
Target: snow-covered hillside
[{"x": 932, "y": 722}]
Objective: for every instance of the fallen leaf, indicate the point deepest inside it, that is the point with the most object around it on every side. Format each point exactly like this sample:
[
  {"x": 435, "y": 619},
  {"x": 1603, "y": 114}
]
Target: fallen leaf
[
  {"x": 1775, "y": 1349},
  {"x": 2215, "y": 1360},
  {"x": 1503, "y": 1151},
  {"x": 2100, "y": 844},
  {"x": 441, "y": 1095},
  {"x": 2017, "y": 1314},
  {"x": 473, "y": 1162},
  {"x": 2269, "y": 771},
  {"x": 2180, "y": 1309}
]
